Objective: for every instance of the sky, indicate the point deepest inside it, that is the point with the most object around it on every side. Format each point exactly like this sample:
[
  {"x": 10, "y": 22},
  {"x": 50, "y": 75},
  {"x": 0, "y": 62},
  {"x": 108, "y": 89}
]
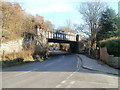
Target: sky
[{"x": 58, "y": 11}]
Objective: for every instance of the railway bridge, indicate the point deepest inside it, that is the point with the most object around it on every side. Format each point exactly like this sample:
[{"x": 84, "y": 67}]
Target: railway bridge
[{"x": 61, "y": 37}]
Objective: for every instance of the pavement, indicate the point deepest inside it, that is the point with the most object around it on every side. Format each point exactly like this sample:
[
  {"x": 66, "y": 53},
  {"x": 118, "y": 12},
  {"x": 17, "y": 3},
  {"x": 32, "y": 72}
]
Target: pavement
[{"x": 96, "y": 65}]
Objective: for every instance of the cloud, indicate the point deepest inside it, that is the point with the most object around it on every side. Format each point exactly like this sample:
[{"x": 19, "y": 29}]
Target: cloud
[
  {"x": 56, "y": 11},
  {"x": 49, "y": 7},
  {"x": 39, "y": 1},
  {"x": 59, "y": 6},
  {"x": 45, "y": 6}
]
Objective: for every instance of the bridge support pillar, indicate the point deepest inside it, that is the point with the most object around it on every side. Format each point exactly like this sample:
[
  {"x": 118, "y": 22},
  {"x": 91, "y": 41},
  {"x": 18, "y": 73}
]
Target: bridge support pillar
[
  {"x": 61, "y": 47},
  {"x": 75, "y": 47}
]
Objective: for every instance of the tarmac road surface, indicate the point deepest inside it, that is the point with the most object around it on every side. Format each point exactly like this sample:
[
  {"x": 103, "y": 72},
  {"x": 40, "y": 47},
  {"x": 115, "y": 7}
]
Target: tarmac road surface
[{"x": 63, "y": 71}]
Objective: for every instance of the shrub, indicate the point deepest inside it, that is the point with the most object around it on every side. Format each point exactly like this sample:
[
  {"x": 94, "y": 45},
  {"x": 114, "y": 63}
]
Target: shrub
[
  {"x": 19, "y": 59},
  {"x": 36, "y": 57},
  {"x": 103, "y": 43},
  {"x": 113, "y": 45}
]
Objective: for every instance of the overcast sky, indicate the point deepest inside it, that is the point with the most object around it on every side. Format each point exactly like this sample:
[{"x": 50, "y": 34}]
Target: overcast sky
[{"x": 58, "y": 11}]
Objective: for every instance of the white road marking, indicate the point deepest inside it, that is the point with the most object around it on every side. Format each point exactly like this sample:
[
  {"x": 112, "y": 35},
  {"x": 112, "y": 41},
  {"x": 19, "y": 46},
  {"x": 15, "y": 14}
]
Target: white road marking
[
  {"x": 72, "y": 82},
  {"x": 67, "y": 77},
  {"x": 71, "y": 74},
  {"x": 5, "y": 77},
  {"x": 63, "y": 81},
  {"x": 58, "y": 86},
  {"x": 22, "y": 73}
]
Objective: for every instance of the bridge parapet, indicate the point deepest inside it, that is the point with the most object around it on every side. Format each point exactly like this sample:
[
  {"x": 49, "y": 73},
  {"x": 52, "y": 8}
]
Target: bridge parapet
[
  {"x": 61, "y": 36},
  {"x": 57, "y": 35}
]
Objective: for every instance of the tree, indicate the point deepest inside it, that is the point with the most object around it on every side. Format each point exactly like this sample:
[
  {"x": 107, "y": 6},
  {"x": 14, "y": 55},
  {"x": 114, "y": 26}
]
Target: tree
[
  {"x": 68, "y": 26},
  {"x": 16, "y": 22},
  {"x": 40, "y": 21},
  {"x": 29, "y": 23},
  {"x": 91, "y": 12},
  {"x": 12, "y": 13},
  {"x": 118, "y": 25},
  {"x": 65, "y": 28},
  {"x": 108, "y": 20},
  {"x": 81, "y": 28},
  {"x": 108, "y": 24},
  {"x": 48, "y": 25}
]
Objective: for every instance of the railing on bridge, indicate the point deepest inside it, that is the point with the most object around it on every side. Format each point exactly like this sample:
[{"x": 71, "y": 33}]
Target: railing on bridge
[{"x": 59, "y": 36}]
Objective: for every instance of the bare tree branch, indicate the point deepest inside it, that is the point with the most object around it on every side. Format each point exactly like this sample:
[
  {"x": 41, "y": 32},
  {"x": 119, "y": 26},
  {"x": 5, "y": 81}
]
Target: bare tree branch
[{"x": 91, "y": 12}]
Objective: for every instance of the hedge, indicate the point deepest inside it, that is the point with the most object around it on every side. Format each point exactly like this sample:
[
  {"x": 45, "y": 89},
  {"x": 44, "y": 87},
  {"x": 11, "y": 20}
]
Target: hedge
[{"x": 113, "y": 45}]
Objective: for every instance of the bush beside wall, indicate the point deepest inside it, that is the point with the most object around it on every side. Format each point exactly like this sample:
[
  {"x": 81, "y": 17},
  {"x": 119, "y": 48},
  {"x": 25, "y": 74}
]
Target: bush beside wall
[
  {"x": 109, "y": 59},
  {"x": 113, "y": 45},
  {"x": 110, "y": 51},
  {"x": 113, "y": 61}
]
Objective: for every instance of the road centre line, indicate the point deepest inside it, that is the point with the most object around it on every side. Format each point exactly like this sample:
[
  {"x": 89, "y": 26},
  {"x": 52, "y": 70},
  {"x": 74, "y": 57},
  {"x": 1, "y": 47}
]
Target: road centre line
[
  {"x": 62, "y": 82},
  {"x": 72, "y": 82},
  {"x": 26, "y": 72},
  {"x": 5, "y": 77},
  {"x": 22, "y": 73},
  {"x": 58, "y": 86}
]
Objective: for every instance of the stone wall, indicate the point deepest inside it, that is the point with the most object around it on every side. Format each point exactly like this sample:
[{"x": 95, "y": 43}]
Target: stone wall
[
  {"x": 113, "y": 61},
  {"x": 103, "y": 54},
  {"x": 10, "y": 47},
  {"x": 40, "y": 42},
  {"x": 109, "y": 59}
]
